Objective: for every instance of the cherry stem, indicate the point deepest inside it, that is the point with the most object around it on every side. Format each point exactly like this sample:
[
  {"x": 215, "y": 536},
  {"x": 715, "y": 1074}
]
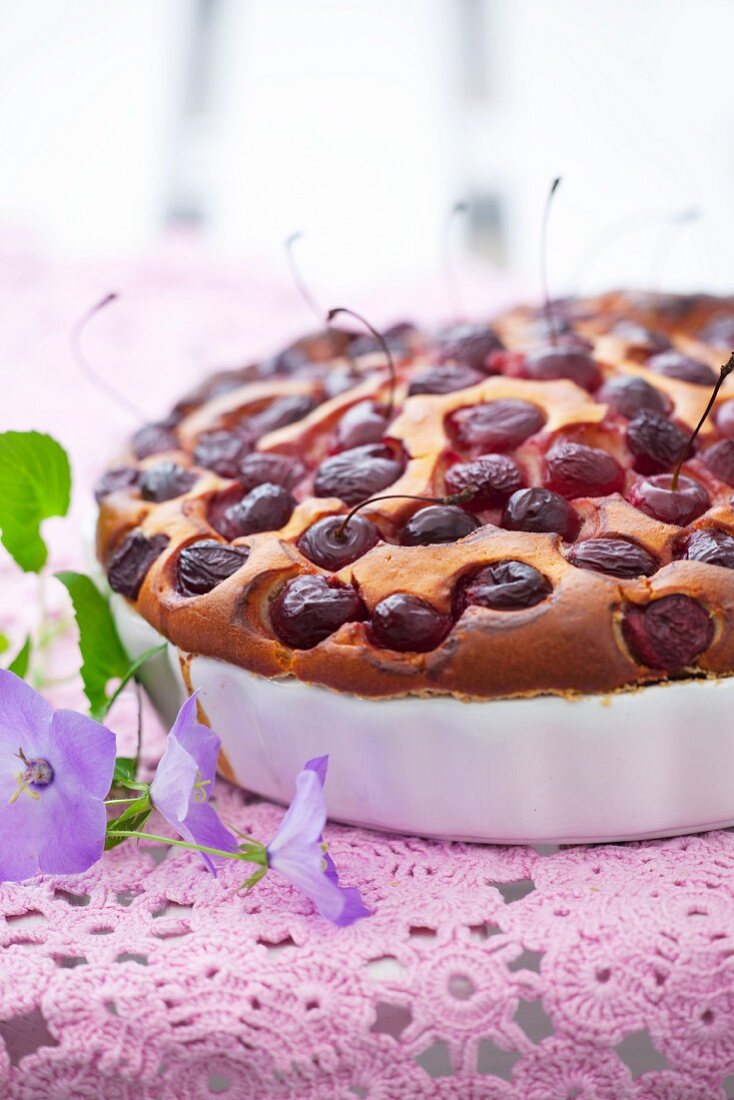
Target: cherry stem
[
  {"x": 75, "y": 339},
  {"x": 725, "y": 371},
  {"x": 550, "y": 319},
  {"x": 454, "y": 498},
  {"x": 298, "y": 279},
  {"x": 383, "y": 344},
  {"x": 449, "y": 268}
]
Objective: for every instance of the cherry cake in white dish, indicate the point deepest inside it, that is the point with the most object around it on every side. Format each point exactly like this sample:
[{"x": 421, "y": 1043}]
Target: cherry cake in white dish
[{"x": 540, "y": 620}]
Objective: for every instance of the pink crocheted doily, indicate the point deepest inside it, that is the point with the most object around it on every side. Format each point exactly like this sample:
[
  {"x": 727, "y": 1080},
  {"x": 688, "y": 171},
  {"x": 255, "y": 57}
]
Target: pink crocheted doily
[{"x": 600, "y": 973}]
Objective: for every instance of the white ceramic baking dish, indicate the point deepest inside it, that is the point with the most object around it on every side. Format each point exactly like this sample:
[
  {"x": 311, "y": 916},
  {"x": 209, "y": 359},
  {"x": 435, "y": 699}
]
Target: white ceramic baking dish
[{"x": 646, "y": 763}]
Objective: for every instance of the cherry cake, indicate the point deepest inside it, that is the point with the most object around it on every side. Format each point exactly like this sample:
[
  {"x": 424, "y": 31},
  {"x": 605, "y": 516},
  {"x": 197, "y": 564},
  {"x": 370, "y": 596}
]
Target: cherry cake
[{"x": 271, "y": 522}]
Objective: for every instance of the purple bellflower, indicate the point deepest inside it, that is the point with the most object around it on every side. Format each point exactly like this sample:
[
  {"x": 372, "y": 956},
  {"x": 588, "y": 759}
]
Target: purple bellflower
[
  {"x": 182, "y": 784},
  {"x": 297, "y": 851},
  {"x": 55, "y": 772}
]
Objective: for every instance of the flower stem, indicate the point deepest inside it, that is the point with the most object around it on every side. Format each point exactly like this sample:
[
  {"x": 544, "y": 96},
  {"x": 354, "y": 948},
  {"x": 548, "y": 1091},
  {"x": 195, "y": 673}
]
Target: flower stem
[
  {"x": 254, "y": 854},
  {"x": 118, "y": 801}
]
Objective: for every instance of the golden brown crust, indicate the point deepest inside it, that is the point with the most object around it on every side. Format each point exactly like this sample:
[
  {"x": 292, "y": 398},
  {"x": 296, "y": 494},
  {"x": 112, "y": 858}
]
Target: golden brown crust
[{"x": 571, "y": 642}]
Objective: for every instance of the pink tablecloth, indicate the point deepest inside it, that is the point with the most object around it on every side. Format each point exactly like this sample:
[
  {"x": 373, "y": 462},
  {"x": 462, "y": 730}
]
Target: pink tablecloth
[{"x": 497, "y": 973}]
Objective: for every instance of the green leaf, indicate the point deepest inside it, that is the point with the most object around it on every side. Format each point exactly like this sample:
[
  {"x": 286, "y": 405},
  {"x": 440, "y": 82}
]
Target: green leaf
[
  {"x": 131, "y": 819},
  {"x": 35, "y": 483},
  {"x": 103, "y": 655},
  {"x": 4, "y": 644},
  {"x": 124, "y": 770},
  {"x": 19, "y": 664}
]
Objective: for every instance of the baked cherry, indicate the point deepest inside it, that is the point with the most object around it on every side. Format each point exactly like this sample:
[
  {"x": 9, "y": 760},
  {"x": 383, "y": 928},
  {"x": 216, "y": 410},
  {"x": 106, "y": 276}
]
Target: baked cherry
[
  {"x": 438, "y": 523},
  {"x": 575, "y": 470},
  {"x": 673, "y": 364},
  {"x": 130, "y": 562},
  {"x": 444, "y": 379},
  {"x": 725, "y": 419},
  {"x": 655, "y": 441},
  {"x": 504, "y": 586},
  {"x": 203, "y": 565},
  {"x": 656, "y": 497},
  {"x": 268, "y": 466},
  {"x": 282, "y": 412},
  {"x": 548, "y": 364},
  {"x": 719, "y": 331},
  {"x": 720, "y": 460},
  {"x": 469, "y": 345},
  {"x": 617, "y": 557},
  {"x": 267, "y": 507},
  {"x": 641, "y": 342},
  {"x": 540, "y": 510},
  {"x": 668, "y": 633},
  {"x": 112, "y": 481},
  {"x": 358, "y": 473},
  {"x": 331, "y": 543},
  {"x": 710, "y": 545},
  {"x": 495, "y": 426},
  {"x": 407, "y": 624},
  {"x": 165, "y": 481},
  {"x": 365, "y": 422},
  {"x": 493, "y": 478},
  {"x": 153, "y": 439},
  {"x": 629, "y": 395},
  {"x": 309, "y": 608},
  {"x": 222, "y": 452}
]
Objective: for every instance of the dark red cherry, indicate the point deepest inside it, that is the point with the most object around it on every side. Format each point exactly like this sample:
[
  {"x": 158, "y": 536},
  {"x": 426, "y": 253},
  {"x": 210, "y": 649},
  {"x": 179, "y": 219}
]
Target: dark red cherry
[
  {"x": 680, "y": 506},
  {"x": 358, "y": 473},
  {"x": 673, "y": 364},
  {"x": 165, "y": 481},
  {"x": 222, "y": 452},
  {"x": 547, "y": 364},
  {"x": 710, "y": 545},
  {"x": 655, "y": 441},
  {"x": 719, "y": 331},
  {"x": 363, "y": 423},
  {"x": 469, "y": 345},
  {"x": 332, "y": 544},
  {"x": 629, "y": 395},
  {"x": 617, "y": 557},
  {"x": 153, "y": 439},
  {"x": 493, "y": 478},
  {"x": 668, "y": 633},
  {"x": 265, "y": 508},
  {"x": 720, "y": 460},
  {"x": 725, "y": 419},
  {"x": 129, "y": 564},
  {"x": 574, "y": 470},
  {"x": 438, "y": 523},
  {"x": 203, "y": 565},
  {"x": 505, "y": 586},
  {"x": 282, "y": 411},
  {"x": 407, "y": 624},
  {"x": 444, "y": 379},
  {"x": 122, "y": 477},
  {"x": 267, "y": 466},
  {"x": 641, "y": 342},
  {"x": 540, "y": 510},
  {"x": 495, "y": 426},
  {"x": 309, "y": 608}
]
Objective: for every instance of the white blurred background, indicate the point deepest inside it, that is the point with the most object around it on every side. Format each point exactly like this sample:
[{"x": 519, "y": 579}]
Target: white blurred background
[{"x": 362, "y": 121}]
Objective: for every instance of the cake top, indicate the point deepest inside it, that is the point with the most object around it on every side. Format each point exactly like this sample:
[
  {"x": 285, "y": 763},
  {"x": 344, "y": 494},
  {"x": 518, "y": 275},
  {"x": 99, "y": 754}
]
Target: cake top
[{"x": 556, "y": 552}]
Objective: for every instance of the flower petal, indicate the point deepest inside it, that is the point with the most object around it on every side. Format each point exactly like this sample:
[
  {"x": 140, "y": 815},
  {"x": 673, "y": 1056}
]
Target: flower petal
[
  {"x": 173, "y": 782},
  {"x": 304, "y": 870},
  {"x": 82, "y": 754},
  {"x": 25, "y": 717},
  {"x": 305, "y": 818},
  {"x": 202, "y": 826},
  {"x": 197, "y": 739},
  {"x": 319, "y": 764}
]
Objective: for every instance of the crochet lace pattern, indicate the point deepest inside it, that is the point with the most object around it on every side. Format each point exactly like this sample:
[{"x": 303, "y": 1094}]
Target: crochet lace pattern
[{"x": 486, "y": 973}]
